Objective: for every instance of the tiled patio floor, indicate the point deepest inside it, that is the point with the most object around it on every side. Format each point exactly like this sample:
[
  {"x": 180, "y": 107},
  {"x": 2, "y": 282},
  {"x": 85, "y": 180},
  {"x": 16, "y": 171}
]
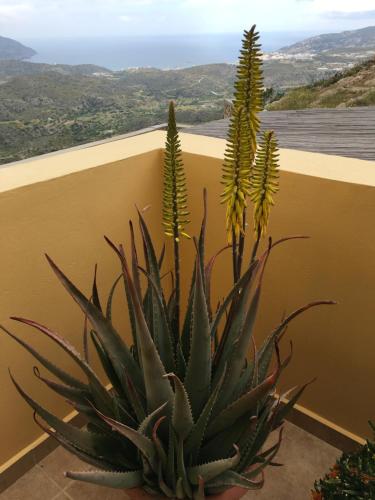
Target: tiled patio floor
[{"x": 305, "y": 456}]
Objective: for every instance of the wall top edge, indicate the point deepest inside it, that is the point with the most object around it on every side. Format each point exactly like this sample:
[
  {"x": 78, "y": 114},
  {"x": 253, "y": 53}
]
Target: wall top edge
[
  {"x": 47, "y": 167},
  {"x": 330, "y": 167}
]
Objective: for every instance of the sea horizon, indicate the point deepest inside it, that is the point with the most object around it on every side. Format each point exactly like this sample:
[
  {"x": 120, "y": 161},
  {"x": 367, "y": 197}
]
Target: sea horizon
[{"x": 159, "y": 51}]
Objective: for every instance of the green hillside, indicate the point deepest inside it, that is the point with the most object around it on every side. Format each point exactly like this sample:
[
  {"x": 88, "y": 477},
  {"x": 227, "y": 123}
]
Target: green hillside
[
  {"x": 353, "y": 87},
  {"x": 46, "y": 108}
]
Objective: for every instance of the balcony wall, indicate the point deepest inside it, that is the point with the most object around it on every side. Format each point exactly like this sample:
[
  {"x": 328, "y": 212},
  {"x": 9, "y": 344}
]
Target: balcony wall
[{"x": 63, "y": 204}]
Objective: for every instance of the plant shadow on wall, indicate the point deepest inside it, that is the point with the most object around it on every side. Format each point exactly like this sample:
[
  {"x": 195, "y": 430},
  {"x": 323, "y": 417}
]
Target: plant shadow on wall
[{"x": 189, "y": 410}]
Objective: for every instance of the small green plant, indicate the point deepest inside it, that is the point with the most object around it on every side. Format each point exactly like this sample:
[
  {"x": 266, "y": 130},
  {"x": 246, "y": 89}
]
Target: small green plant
[
  {"x": 352, "y": 477},
  {"x": 189, "y": 409}
]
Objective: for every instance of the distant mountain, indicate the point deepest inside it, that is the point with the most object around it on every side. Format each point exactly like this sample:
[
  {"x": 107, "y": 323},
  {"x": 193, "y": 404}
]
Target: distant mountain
[
  {"x": 11, "y": 49},
  {"x": 11, "y": 68},
  {"x": 353, "y": 87},
  {"x": 318, "y": 57},
  {"x": 361, "y": 39}
]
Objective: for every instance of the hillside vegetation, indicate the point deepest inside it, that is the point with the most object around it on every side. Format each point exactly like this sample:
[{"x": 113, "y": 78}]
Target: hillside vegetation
[
  {"x": 353, "y": 87},
  {"x": 45, "y": 108}
]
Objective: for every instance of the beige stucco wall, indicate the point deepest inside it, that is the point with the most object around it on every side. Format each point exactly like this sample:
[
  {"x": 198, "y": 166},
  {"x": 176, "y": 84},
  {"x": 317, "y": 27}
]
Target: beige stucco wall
[
  {"x": 332, "y": 200},
  {"x": 64, "y": 204},
  {"x": 65, "y": 213}
]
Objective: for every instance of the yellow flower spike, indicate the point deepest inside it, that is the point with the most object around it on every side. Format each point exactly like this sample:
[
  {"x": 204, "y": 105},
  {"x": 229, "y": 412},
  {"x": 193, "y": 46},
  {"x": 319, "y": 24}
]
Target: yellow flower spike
[
  {"x": 265, "y": 181},
  {"x": 244, "y": 126},
  {"x": 174, "y": 196}
]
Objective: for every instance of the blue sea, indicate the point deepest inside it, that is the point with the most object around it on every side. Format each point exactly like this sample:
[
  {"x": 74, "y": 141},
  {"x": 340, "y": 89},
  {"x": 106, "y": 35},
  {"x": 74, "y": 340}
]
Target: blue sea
[{"x": 164, "y": 52}]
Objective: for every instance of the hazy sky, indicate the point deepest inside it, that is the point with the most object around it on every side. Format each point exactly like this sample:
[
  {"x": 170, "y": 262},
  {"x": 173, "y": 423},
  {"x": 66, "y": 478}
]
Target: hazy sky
[{"x": 48, "y": 18}]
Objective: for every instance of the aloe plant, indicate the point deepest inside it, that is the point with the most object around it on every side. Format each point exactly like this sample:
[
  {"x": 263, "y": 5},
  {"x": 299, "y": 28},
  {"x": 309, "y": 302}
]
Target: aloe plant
[
  {"x": 189, "y": 410},
  {"x": 174, "y": 423}
]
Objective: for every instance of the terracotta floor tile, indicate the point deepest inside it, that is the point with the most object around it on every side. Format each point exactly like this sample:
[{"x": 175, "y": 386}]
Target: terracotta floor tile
[
  {"x": 85, "y": 491},
  {"x": 306, "y": 457},
  {"x": 62, "y": 496},
  {"x": 30, "y": 486},
  {"x": 58, "y": 462}
]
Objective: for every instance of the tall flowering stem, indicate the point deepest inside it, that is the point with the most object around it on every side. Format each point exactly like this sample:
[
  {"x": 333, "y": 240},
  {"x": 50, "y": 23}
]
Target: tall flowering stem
[
  {"x": 175, "y": 213},
  {"x": 242, "y": 143}
]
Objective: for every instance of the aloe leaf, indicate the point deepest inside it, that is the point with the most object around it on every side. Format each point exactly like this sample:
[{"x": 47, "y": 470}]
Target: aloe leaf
[
  {"x": 72, "y": 394},
  {"x": 133, "y": 322},
  {"x": 150, "y": 256},
  {"x": 266, "y": 351},
  {"x": 114, "y": 345},
  {"x": 158, "y": 388},
  {"x": 247, "y": 436},
  {"x": 237, "y": 310},
  {"x": 85, "y": 339},
  {"x": 230, "y": 479},
  {"x": 157, "y": 443},
  {"x": 110, "y": 298},
  {"x": 237, "y": 359},
  {"x": 208, "y": 275},
  {"x": 242, "y": 319},
  {"x": 143, "y": 443},
  {"x": 134, "y": 398},
  {"x": 162, "y": 484},
  {"x": 181, "y": 468},
  {"x": 234, "y": 321},
  {"x": 147, "y": 421},
  {"x": 95, "y": 293},
  {"x": 106, "y": 363},
  {"x": 134, "y": 260},
  {"x": 158, "y": 319},
  {"x": 286, "y": 407},
  {"x": 202, "y": 234},
  {"x": 171, "y": 466},
  {"x": 171, "y": 305},
  {"x": 255, "y": 439},
  {"x": 211, "y": 470},
  {"x": 100, "y": 393},
  {"x": 247, "y": 379},
  {"x": 186, "y": 328},
  {"x": 195, "y": 439},
  {"x": 110, "y": 479},
  {"x": 244, "y": 405},
  {"x": 93, "y": 444},
  {"x": 182, "y": 417},
  {"x": 161, "y": 327},
  {"x": 93, "y": 460},
  {"x": 161, "y": 257},
  {"x": 266, "y": 458},
  {"x": 198, "y": 373},
  {"x": 180, "y": 362},
  {"x": 221, "y": 445},
  {"x": 51, "y": 367}
]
